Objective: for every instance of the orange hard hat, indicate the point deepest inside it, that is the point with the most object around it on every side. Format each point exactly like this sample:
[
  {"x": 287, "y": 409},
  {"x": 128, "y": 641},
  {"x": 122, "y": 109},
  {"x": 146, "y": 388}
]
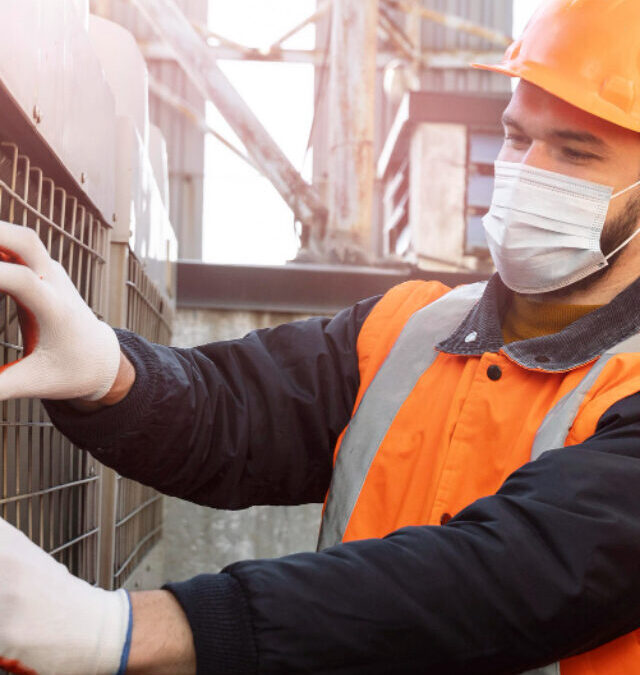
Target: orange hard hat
[{"x": 586, "y": 52}]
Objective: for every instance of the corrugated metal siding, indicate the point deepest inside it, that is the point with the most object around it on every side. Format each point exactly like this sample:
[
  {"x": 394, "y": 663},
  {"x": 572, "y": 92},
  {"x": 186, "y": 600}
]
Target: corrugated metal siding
[{"x": 496, "y": 14}]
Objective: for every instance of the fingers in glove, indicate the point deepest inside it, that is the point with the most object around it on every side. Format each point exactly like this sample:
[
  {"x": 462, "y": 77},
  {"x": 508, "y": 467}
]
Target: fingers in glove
[
  {"x": 30, "y": 294},
  {"x": 25, "y": 286},
  {"x": 19, "y": 244}
]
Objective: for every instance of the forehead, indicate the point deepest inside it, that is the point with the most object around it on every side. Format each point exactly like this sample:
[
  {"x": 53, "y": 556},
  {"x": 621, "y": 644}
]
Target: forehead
[{"x": 540, "y": 113}]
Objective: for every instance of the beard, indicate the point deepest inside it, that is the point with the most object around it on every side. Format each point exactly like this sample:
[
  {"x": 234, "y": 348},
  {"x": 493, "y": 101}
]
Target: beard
[{"x": 615, "y": 231}]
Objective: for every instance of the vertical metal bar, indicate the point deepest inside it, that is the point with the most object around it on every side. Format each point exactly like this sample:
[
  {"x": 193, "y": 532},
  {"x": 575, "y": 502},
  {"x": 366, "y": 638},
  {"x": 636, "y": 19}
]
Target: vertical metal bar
[
  {"x": 14, "y": 175},
  {"x": 63, "y": 214},
  {"x": 351, "y": 133},
  {"x": 73, "y": 211},
  {"x": 51, "y": 199},
  {"x": 38, "y": 200},
  {"x": 83, "y": 214},
  {"x": 107, "y": 542},
  {"x": 88, "y": 277},
  {"x": 26, "y": 164}
]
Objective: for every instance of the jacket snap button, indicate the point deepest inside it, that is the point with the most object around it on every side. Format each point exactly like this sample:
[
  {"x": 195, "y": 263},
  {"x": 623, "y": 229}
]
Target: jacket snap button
[
  {"x": 445, "y": 518},
  {"x": 494, "y": 373}
]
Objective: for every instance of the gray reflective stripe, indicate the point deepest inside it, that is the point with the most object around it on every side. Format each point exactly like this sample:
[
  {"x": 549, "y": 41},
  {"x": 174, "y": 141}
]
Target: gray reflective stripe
[
  {"x": 554, "y": 429},
  {"x": 411, "y": 355},
  {"x": 553, "y": 669},
  {"x": 556, "y": 425}
]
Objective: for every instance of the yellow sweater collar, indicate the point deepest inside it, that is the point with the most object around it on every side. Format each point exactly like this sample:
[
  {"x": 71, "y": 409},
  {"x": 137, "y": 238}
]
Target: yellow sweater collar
[{"x": 527, "y": 319}]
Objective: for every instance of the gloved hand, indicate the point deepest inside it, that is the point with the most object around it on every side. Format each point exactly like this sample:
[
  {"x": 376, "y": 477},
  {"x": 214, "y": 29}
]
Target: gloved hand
[
  {"x": 53, "y": 623},
  {"x": 68, "y": 353}
]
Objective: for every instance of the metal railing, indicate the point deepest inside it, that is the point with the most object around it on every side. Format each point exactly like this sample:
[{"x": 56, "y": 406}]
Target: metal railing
[{"x": 49, "y": 488}]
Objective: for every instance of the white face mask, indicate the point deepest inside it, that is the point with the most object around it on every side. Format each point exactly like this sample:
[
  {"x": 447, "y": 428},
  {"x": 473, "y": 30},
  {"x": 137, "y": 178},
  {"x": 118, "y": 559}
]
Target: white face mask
[{"x": 544, "y": 228}]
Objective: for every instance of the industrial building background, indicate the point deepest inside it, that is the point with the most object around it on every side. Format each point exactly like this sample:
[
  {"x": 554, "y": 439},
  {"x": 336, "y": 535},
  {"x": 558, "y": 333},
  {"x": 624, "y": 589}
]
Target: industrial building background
[{"x": 102, "y": 153}]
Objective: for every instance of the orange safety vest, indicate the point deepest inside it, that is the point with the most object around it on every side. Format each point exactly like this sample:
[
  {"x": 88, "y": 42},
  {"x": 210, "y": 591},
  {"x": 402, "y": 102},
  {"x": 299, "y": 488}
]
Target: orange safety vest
[{"x": 410, "y": 455}]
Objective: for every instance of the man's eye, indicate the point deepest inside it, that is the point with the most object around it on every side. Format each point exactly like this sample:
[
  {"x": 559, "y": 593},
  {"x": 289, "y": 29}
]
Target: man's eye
[
  {"x": 514, "y": 139},
  {"x": 576, "y": 155}
]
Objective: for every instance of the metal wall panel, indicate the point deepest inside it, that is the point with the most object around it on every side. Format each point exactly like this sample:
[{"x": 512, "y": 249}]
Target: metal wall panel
[
  {"x": 185, "y": 142},
  {"x": 46, "y": 58}
]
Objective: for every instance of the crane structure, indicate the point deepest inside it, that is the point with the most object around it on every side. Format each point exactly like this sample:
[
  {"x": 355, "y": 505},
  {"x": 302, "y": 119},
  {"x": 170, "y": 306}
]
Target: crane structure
[{"x": 365, "y": 36}]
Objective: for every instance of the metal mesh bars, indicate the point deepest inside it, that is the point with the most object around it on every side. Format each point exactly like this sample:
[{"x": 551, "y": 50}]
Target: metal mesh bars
[
  {"x": 148, "y": 314},
  {"x": 139, "y": 508},
  {"x": 49, "y": 488}
]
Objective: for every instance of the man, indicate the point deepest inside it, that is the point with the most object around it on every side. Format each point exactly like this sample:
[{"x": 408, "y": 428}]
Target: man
[{"x": 454, "y": 392}]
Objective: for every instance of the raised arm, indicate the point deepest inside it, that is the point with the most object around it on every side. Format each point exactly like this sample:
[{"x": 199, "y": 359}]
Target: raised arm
[{"x": 231, "y": 424}]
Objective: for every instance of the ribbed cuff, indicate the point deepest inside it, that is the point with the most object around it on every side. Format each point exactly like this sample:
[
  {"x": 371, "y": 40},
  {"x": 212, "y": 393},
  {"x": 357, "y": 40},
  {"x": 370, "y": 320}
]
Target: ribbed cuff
[
  {"x": 218, "y": 613},
  {"x": 94, "y": 430}
]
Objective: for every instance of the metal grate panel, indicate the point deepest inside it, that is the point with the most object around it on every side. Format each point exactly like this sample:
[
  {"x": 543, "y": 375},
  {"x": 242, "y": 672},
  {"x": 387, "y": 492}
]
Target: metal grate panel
[
  {"x": 139, "y": 508},
  {"x": 49, "y": 488},
  {"x": 148, "y": 314}
]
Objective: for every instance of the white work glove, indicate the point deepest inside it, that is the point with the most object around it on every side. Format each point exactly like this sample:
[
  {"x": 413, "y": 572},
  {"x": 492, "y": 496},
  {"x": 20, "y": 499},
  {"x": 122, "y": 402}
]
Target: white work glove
[
  {"x": 68, "y": 352},
  {"x": 53, "y": 623}
]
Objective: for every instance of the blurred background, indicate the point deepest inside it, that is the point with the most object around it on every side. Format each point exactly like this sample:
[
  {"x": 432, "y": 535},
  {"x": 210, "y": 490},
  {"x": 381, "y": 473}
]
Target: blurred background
[{"x": 203, "y": 168}]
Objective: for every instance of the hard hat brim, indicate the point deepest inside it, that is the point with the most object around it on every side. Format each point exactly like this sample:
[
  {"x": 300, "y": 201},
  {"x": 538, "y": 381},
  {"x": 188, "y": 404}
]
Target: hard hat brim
[{"x": 554, "y": 85}]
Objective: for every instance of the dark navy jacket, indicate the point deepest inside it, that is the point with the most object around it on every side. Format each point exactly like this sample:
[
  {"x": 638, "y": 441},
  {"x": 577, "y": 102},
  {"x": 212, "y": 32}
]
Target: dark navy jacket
[{"x": 254, "y": 421}]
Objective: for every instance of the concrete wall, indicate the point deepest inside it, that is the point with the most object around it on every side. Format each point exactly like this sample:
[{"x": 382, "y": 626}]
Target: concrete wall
[{"x": 200, "y": 540}]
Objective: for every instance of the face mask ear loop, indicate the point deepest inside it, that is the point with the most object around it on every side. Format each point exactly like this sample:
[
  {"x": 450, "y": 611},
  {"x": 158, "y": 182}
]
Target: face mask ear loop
[
  {"x": 622, "y": 192},
  {"x": 624, "y": 243},
  {"x": 633, "y": 236}
]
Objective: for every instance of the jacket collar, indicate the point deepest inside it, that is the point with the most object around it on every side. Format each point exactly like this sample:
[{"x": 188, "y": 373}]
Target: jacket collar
[{"x": 579, "y": 343}]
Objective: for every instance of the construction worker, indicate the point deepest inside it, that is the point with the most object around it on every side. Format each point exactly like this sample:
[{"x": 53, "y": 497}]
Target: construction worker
[{"x": 483, "y": 512}]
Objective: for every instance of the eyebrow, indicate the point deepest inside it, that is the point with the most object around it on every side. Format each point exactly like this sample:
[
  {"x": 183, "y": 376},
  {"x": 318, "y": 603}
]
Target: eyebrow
[
  {"x": 579, "y": 136},
  {"x": 564, "y": 134}
]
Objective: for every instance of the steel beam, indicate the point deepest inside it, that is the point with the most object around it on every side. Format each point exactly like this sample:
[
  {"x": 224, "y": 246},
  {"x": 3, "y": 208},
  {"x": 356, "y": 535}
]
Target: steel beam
[
  {"x": 198, "y": 62},
  {"x": 308, "y": 288},
  {"x": 351, "y": 132},
  {"x": 157, "y": 51},
  {"x": 323, "y": 8},
  {"x": 166, "y": 95}
]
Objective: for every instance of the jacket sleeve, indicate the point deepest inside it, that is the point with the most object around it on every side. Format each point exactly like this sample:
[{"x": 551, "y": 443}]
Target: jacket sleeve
[
  {"x": 231, "y": 424},
  {"x": 546, "y": 568}
]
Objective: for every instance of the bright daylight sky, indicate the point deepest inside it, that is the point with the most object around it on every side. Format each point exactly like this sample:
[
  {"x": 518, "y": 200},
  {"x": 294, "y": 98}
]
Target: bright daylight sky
[{"x": 245, "y": 219}]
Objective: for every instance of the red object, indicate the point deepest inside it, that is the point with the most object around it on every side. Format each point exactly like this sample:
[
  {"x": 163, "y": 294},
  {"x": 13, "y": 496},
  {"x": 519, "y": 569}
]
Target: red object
[{"x": 15, "y": 667}]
